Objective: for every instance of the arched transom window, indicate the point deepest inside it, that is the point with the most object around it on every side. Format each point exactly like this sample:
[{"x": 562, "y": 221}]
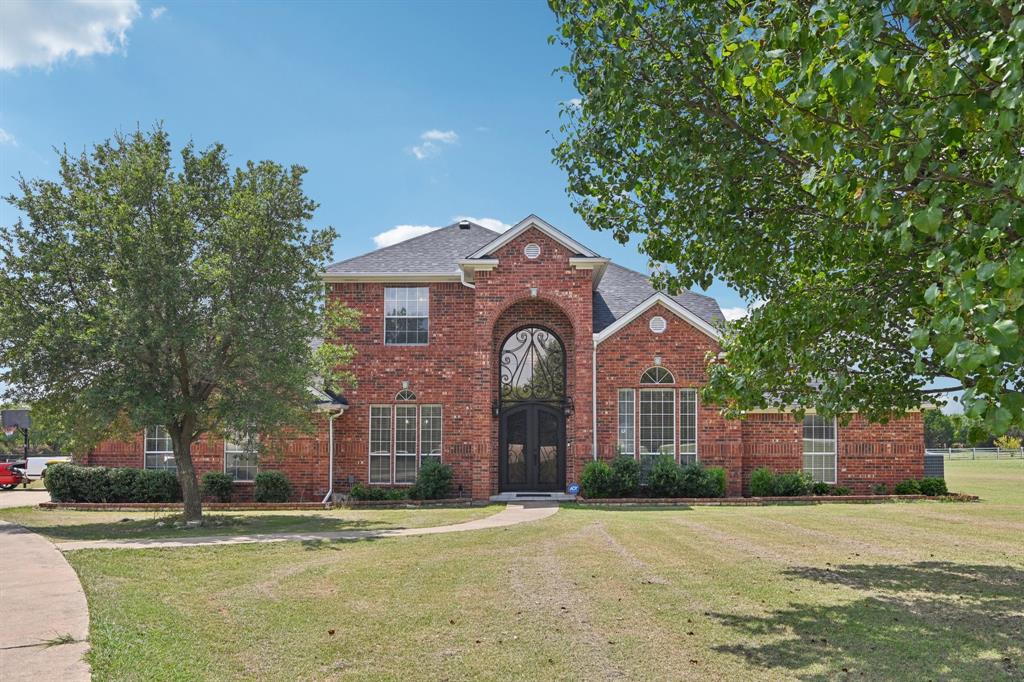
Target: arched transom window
[
  {"x": 657, "y": 375},
  {"x": 405, "y": 395}
]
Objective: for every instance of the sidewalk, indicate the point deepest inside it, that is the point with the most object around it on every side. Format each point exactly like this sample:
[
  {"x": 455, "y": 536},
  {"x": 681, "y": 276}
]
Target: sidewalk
[
  {"x": 41, "y": 600},
  {"x": 512, "y": 515}
]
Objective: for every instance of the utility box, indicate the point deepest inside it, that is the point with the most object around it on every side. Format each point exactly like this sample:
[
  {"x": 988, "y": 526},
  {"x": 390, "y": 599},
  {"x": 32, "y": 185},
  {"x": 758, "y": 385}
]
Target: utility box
[{"x": 934, "y": 466}]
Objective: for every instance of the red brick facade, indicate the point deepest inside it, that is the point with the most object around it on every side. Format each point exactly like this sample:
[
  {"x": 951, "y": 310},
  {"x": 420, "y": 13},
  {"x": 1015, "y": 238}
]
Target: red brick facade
[{"x": 459, "y": 370}]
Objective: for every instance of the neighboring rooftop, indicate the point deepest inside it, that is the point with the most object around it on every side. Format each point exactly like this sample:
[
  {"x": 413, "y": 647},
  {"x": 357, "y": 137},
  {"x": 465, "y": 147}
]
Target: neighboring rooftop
[{"x": 438, "y": 252}]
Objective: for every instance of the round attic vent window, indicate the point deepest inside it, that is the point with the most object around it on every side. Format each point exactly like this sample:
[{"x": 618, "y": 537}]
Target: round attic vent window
[
  {"x": 532, "y": 251},
  {"x": 658, "y": 324}
]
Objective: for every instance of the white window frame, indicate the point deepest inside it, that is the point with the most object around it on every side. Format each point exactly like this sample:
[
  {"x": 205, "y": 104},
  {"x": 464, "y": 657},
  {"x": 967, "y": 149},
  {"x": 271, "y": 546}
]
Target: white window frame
[
  {"x": 393, "y": 454},
  {"x": 440, "y": 433},
  {"x": 146, "y": 452},
  {"x": 376, "y": 454},
  {"x": 673, "y": 440},
  {"x": 406, "y": 317},
  {"x": 689, "y": 447},
  {"x": 240, "y": 449},
  {"x": 626, "y": 443},
  {"x": 818, "y": 468}
]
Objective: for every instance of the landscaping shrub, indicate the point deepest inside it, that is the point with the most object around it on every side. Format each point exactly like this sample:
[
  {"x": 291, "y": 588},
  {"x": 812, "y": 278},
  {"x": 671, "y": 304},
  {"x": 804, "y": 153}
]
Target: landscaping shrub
[
  {"x": 792, "y": 484},
  {"x": 272, "y": 486},
  {"x": 597, "y": 480},
  {"x": 698, "y": 481},
  {"x": 370, "y": 493},
  {"x": 762, "y": 482},
  {"x": 907, "y": 487},
  {"x": 933, "y": 486},
  {"x": 124, "y": 484},
  {"x": 625, "y": 476},
  {"x": 820, "y": 488},
  {"x": 433, "y": 482},
  {"x": 60, "y": 482},
  {"x": 71, "y": 483},
  {"x": 839, "y": 490},
  {"x": 665, "y": 477},
  {"x": 765, "y": 483},
  {"x": 157, "y": 485},
  {"x": 880, "y": 489},
  {"x": 218, "y": 486}
]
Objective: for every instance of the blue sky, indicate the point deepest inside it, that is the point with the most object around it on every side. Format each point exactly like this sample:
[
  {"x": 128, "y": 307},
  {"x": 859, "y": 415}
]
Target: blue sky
[{"x": 405, "y": 114}]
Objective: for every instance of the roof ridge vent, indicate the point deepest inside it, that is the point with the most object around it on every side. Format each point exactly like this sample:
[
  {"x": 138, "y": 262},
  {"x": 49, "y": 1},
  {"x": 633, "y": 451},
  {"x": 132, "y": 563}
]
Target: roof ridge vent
[{"x": 463, "y": 224}]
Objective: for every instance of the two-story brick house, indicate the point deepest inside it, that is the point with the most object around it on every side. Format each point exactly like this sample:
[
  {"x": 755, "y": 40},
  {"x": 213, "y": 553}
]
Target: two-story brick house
[{"x": 516, "y": 358}]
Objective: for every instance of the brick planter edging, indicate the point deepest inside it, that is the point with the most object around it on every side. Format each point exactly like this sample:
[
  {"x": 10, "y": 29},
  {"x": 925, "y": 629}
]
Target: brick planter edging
[
  {"x": 765, "y": 501},
  {"x": 177, "y": 506},
  {"x": 399, "y": 504}
]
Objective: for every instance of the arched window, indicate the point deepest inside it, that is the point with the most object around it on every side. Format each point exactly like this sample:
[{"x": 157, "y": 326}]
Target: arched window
[
  {"x": 657, "y": 375},
  {"x": 405, "y": 395}
]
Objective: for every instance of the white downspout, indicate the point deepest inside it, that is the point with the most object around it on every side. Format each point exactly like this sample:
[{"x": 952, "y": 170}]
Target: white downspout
[
  {"x": 330, "y": 455},
  {"x": 593, "y": 398}
]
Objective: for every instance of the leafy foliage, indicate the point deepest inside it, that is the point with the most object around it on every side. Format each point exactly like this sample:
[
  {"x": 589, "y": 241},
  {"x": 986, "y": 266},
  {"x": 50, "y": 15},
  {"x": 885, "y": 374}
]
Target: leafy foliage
[
  {"x": 374, "y": 493},
  {"x": 907, "y": 487},
  {"x": 665, "y": 477},
  {"x": 272, "y": 486},
  {"x": 71, "y": 483},
  {"x": 217, "y": 485},
  {"x": 433, "y": 482},
  {"x": 139, "y": 291},
  {"x": 856, "y": 164},
  {"x": 597, "y": 480},
  {"x": 933, "y": 486},
  {"x": 766, "y": 483},
  {"x": 625, "y": 476}
]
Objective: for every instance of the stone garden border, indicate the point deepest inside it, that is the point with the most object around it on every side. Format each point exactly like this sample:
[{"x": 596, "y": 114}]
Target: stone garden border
[{"x": 765, "y": 501}]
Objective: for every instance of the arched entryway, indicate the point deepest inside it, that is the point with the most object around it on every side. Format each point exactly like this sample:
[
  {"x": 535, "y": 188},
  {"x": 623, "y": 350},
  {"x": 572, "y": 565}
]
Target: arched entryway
[{"x": 532, "y": 399}]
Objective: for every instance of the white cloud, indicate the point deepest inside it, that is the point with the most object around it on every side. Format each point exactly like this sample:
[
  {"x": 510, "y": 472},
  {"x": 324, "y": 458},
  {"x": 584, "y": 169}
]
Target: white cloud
[
  {"x": 157, "y": 12},
  {"x": 431, "y": 143},
  {"x": 738, "y": 313},
  {"x": 445, "y": 136},
  {"x": 575, "y": 102},
  {"x": 7, "y": 138},
  {"x": 399, "y": 233},
  {"x": 42, "y": 33},
  {"x": 489, "y": 223}
]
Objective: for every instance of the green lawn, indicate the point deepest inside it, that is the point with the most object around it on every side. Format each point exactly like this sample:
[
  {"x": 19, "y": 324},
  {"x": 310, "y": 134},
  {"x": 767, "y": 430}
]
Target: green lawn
[
  {"x": 96, "y": 525},
  {"x": 927, "y": 590}
]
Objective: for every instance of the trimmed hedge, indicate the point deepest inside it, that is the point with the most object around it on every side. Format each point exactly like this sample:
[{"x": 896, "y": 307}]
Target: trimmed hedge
[
  {"x": 217, "y": 485},
  {"x": 907, "y": 487},
  {"x": 933, "y": 486},
  {"x": 665, "y": 479},
  {"x": 272, "y": 486},
  {"x": 372, "y": 493},
  {"x": 73, "y": 483},
  {"x": 433, "y": 482},
  {"x": 766, "y": 483}
]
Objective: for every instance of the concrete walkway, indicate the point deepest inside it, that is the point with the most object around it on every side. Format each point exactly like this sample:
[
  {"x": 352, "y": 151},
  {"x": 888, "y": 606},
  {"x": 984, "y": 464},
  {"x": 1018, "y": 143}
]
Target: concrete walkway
[
  {"x": 512, "y": 515},
  {"x": 41, "y": 601},
  {"x": 22, "y": 497}
]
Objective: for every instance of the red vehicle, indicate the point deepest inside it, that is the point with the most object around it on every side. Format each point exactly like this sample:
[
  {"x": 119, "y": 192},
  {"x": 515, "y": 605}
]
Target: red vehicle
[{"x": 11, "y": 474}]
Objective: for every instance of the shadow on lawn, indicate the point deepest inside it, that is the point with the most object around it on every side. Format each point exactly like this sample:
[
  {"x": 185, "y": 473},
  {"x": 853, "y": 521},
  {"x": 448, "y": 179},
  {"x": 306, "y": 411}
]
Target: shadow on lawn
[
  {"x": 231, "y": 525},
  {"x": 928, "y": 620}
]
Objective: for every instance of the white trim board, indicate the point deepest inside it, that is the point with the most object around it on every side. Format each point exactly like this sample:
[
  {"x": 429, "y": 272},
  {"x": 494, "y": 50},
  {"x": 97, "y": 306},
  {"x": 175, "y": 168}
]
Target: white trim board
[
  {"x": 671, "y": 305},
  {"x": 542, "y": 225}
]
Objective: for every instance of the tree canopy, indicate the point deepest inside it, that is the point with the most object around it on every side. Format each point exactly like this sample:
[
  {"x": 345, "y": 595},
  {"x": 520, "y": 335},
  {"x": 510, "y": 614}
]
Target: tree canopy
[
  {"x": 855, "y": 164},
  {"x": 138, "y": 291}
]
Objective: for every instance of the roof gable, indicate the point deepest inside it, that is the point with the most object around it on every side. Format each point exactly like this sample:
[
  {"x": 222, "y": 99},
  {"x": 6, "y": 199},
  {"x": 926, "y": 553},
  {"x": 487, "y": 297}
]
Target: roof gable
[
  {"x": 669, "y": 304},
  {"x": 547, "y": 228}
]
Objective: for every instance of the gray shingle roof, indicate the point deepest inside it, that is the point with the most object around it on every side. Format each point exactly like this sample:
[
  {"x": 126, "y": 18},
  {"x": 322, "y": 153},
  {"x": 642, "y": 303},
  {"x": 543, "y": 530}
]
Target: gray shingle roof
[
  {"x": 434, "y": 252},
  {"x": 622, "y": 289},
  {"x": 437, "y": 252}
]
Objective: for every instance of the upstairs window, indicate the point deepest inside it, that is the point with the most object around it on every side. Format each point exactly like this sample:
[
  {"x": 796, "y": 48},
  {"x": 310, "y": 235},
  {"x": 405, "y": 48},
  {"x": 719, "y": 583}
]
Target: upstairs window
[
  {"x": 406, "y": 316},
  {"x": 820, "y": 448},
  {"x": 158, "y": 449}
]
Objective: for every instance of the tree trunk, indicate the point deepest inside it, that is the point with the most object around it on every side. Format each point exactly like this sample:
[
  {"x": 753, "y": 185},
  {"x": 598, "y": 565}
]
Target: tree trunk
[{"x": 190, "y": 495}]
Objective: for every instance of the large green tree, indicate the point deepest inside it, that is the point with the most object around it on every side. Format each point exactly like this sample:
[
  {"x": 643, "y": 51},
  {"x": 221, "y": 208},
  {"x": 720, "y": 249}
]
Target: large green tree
[
  {"x": 854, "y": 163},
  {"x": 139, "y": 289}
]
